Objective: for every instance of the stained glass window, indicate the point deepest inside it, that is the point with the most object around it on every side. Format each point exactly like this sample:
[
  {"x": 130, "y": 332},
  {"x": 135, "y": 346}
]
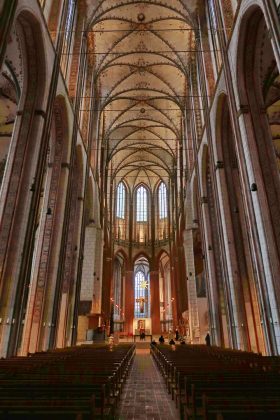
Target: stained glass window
[
  {"x": 70, "y": 18},
  {"x": 121, "y": 201},
  {"x": 141, "y": 205},
  {"x": 214, "y": 32},
  {"x": 141, "y": 293},
  {"x": 162, "y": 201}
]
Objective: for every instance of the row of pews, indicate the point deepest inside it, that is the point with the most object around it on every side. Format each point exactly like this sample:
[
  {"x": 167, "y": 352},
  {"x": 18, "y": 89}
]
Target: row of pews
[
  {"x": 222, "y": 384},
  {"x": 76, "y": 383}
]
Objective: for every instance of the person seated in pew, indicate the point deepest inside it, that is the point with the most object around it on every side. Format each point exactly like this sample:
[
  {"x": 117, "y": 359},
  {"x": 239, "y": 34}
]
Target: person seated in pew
[
  {"x": 171, "y": 342},
  {"x": 182, "y": 342},
  {"x": 154, "y": 343},
  {"x": 161, "y": 339}
]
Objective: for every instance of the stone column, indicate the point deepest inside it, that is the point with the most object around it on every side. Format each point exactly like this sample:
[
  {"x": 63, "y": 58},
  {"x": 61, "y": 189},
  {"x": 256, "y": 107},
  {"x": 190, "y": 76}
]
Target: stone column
[
  {"x": 155, "y": 312},
  {"x": 192, "y": 296},
  {"x": 129, "y": 301}
]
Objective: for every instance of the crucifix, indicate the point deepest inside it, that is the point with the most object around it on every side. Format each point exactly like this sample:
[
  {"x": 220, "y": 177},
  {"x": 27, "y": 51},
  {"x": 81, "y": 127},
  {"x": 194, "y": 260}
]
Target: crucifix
[{"x": 141, "y": 300}]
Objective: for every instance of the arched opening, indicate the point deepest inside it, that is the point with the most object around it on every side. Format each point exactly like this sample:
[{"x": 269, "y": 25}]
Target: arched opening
[
  {"x": 242, "y": 281},
  {"x": 44, "y": 294},
  {"x": 142, "y": 302},
  {"x": 259, "y": 91},
  {"x": 9, "y": 98},
  {"x": 142, "y": 214},
  {"x": 218, "y": 322},
  {"x": 198, "y": 307},
  {"x": 19, "y": 156},
  {"x": 87, "y": 292},
  {"x": 70, "y": 256},
  {"x": 165, "y": 294},
  {"x": 121, "y": 211},
  {"x": 118, "y": 294},
  {"x": 161, "y": 210}
]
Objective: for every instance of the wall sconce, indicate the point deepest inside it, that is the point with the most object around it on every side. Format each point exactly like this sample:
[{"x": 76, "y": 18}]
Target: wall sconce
[
  {"x": 219, "y": 164},
  {"x": 254, "y": 187}
]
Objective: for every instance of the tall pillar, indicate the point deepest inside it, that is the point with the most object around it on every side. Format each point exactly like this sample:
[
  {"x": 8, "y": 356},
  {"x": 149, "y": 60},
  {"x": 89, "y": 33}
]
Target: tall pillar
[
  {"x": 174, "y": 294},
  {"x": 192, "y": 296},
  {"x": 129, "y": 301},
  {"x": 155, "y": 311}
]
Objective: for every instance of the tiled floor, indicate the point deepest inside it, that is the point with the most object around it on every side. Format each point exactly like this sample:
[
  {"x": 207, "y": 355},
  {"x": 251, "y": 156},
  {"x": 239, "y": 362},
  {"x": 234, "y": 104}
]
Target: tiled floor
[{"x": 144, "y": 395}]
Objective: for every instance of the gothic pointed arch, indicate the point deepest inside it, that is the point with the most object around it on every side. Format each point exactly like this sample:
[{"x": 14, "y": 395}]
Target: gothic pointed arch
[{"x": 259, "y": 93}]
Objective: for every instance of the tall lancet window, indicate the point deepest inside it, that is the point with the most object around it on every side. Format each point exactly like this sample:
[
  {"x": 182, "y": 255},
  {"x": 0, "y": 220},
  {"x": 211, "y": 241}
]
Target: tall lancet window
[
  {"x": 213, "y": 26},
  {"x": 142, "y": 295},
  {"x": 121, "y": 201},
  {"x": 141, "y": 205},
  {"x": 162, "y": 213},
  {"x": 70, "y": 19},
  {"x": 68, "y": 38},
  {"x": 162, "y": 201}
]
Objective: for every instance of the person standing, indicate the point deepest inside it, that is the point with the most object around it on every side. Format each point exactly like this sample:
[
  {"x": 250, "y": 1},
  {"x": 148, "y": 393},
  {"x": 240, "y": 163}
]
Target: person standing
[
  {"x": 142, "y": 335},
  {"x": 177, "y": 334},
  {"x": 207, "y": 340}
]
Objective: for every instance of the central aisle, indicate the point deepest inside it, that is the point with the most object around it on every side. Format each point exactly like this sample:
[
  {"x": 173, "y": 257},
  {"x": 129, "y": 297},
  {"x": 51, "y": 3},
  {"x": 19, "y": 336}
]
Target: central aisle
[{"x": 144, "y": 395}]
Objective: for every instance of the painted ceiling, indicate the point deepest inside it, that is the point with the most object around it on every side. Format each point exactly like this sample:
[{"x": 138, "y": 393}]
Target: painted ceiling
[{"x": 141, "y": 51}]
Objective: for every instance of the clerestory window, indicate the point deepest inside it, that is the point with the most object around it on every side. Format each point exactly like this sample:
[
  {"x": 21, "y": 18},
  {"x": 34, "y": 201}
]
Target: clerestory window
[
  {"x": 141, "y": 205},
  {"x": 121, "y": 201},
  {"x": 70, "y": 19},
  {"x": 162, "y": 201}
]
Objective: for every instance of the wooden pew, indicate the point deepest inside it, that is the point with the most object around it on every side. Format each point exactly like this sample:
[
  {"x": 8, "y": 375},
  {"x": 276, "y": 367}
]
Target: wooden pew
[
  {"x": 80, "y": 383},
  {"x": 198, "y": 377}
]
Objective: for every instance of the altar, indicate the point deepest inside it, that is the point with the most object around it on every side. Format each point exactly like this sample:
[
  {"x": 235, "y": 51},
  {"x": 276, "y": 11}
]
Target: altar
[{"x": 142, "y": 325}]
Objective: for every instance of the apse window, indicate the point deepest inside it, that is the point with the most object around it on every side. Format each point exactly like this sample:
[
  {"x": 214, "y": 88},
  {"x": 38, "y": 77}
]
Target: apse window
[
  {"x": 121, "y": 201},
  {"x": 162, "y": 201},
  {"x": 141, "y": 205},
  {"x": 142, "y": 292}
]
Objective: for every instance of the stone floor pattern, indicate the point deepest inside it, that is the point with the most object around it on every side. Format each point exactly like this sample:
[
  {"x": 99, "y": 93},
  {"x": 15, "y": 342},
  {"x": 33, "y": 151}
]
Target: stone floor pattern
[{"x": 144, "y": 395}]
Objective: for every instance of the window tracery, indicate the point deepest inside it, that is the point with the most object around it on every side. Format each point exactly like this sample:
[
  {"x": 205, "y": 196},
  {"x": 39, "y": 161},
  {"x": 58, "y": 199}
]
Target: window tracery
[
  {"x": 141, "y": 293},
  {"x": 141, "y": 204},
  {"x": 68, "y": 36},
  {"x": 121, "y": 193},
  {"x": 162, "y": 201},
  {"x": 214, "y": 38},
  {"x": 70, "y": 19}
]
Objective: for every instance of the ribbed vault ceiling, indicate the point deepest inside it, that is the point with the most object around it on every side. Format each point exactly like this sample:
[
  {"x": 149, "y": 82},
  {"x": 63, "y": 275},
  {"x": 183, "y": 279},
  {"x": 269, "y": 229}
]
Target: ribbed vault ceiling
[{"x": 141, "y": 52}]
